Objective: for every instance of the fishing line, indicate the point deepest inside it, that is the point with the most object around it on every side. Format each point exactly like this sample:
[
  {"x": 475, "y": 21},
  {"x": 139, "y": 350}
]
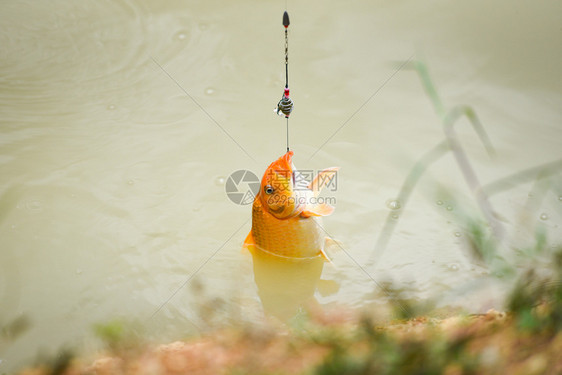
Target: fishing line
[
  {"x": 287, "y": 134},
  {"x": 285, "y": 105}
]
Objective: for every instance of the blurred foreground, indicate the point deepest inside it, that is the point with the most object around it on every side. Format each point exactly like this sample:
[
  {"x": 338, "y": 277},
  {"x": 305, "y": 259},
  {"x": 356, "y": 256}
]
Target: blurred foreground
[{"x": 525, "y": 340}]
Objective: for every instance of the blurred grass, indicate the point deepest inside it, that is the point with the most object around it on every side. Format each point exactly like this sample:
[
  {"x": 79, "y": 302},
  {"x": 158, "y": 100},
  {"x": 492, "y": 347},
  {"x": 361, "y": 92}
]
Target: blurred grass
[
  {"x": 121, "y": 337},
  {"x": 15, "y": 328},
  {"x": 525, "y": 341},
  {"x": 542, "y": 175}
]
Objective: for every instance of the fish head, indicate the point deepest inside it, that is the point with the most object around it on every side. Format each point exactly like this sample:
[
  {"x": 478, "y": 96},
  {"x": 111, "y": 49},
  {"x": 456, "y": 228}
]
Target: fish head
[{"x": 277, "y": 191}]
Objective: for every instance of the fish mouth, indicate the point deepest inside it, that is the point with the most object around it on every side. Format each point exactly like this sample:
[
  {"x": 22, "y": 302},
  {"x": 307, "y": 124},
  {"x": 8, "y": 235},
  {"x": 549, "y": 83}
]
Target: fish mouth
[
  {"x": 288, "y": 159},
  {"x": 284, "y": 166}
]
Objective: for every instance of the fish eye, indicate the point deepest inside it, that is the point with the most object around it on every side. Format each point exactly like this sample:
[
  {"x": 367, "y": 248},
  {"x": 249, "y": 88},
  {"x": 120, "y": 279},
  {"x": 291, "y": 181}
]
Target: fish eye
[{"x": 268, "y": 189}]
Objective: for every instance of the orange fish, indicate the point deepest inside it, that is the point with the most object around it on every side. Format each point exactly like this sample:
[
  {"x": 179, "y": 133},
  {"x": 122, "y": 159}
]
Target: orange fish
[{"x": 285, "y": 214}]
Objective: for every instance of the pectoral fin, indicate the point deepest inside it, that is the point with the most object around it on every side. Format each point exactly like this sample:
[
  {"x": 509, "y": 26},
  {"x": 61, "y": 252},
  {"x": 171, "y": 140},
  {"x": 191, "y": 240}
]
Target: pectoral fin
[
  {"x": 331, "y": 247},
  {"x": 318, "y": 210},
  {"x": 248, "y": 242},
  {"x": 322, "y": 179},
  {"x": 325, "y": 256}
]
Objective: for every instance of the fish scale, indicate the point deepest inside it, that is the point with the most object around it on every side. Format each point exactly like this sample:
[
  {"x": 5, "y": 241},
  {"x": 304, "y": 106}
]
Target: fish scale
[{"x": 295, "y": 237}]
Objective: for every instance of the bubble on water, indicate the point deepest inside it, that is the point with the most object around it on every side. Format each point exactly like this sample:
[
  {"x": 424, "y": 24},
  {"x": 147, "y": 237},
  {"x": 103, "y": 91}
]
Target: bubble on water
[
  {"x": 544, "y": 216},
  {"x": 111, "y": 107},
  {"x": 449, "y": 208},
  {"x": 395, "y": 216},
  {"x": 458, "y": 234},
  {"x": 454, "y": 267},
  {"x": 560, "y": 198},
  {"x": 219, "y": 181},
  {"x": 210, "y": 91},
  {"x": 78, "y": 271},
  {"x": 439, "y": 203},
  {"x": 34, "y": 205},
  {"x": 181, "y": 35},
  {"x": 131, "y": 182},
  {"x": 393, "y": 204}
]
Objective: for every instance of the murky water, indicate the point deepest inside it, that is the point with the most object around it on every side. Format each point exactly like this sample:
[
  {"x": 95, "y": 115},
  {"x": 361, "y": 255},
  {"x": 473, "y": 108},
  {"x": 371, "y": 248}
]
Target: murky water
[{"x": 120, "y": 122}]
